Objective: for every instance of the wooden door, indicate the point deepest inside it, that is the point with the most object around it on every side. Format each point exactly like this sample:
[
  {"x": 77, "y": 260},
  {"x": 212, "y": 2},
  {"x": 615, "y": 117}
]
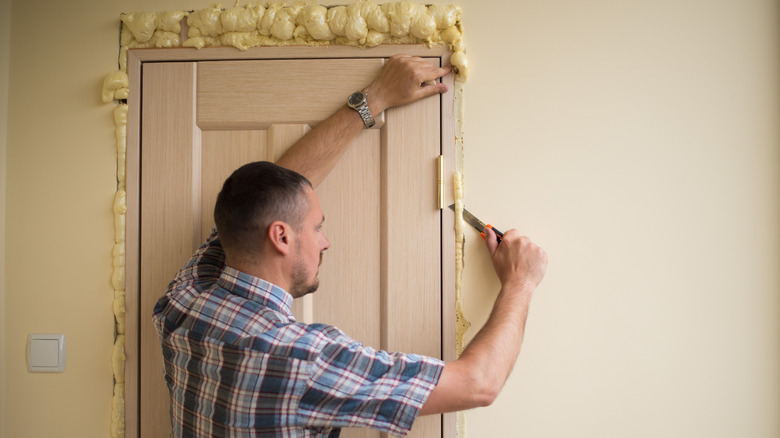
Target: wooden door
[{"x": 381, "y": 280}]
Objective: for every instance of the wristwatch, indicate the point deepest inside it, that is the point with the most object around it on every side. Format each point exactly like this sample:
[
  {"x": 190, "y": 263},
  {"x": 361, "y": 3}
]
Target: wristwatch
[{"x": 357, "y": 101}]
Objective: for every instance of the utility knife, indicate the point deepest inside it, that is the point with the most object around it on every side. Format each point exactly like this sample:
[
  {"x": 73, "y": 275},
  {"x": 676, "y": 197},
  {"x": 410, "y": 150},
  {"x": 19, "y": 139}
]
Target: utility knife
[{"x": 478, "y": 224}]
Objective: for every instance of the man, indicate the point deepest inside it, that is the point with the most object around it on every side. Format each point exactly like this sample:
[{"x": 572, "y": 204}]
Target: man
[{"x": 236, "y": 361}]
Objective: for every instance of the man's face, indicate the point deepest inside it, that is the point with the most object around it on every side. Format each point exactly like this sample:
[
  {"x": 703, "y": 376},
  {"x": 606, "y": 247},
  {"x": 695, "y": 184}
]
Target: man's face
[{"x": 309, "y": 245}]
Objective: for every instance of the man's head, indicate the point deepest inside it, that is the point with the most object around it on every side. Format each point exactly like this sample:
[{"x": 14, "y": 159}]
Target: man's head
[{"x": 261, "y": 204}]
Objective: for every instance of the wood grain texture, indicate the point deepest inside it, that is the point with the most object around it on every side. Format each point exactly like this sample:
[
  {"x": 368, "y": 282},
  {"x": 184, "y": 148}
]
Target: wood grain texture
[
  {"x": 349, "y": 296},
  {"x": 411, "y": 238},
  {"x": 379, "y": 202},
  {"x": 289, "y": 91},
  {"x": 168, "y": 215}
]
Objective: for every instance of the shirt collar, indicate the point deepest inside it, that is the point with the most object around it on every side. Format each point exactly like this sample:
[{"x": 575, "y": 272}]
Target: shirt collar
[{"x": 255, "y": 289}]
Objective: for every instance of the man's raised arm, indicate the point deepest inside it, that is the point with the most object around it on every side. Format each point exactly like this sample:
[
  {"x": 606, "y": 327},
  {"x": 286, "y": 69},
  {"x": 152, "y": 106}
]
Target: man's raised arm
[{"x": 403, "y": 79}]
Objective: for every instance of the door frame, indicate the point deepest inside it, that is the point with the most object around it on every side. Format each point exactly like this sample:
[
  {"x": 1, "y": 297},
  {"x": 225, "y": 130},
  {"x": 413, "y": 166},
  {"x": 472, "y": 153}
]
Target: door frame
[{"x": 135, "y": 60}]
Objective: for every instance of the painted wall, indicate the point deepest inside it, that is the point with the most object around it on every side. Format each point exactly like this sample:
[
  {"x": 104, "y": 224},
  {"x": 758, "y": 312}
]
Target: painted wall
[
  {"x": 5, "y": 40},
  {"x": 636, "y": 141},
  {"x": 639, "y": 143}
]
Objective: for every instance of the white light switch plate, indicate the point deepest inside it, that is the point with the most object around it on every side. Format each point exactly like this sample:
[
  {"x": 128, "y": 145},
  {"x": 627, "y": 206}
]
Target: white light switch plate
[{"x": 46, "y": 353}]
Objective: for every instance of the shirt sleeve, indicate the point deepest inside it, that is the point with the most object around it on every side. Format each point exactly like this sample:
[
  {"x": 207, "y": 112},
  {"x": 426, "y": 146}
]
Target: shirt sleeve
[
  {"x": 356, "y": 386},
  {"x": 203, "y": 269},
  {"x": 205, "y": 265}
]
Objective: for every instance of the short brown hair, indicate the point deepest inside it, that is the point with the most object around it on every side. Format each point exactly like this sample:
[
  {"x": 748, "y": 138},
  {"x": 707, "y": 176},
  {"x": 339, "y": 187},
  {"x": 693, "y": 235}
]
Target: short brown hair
[{"x": 253, "y": 197}]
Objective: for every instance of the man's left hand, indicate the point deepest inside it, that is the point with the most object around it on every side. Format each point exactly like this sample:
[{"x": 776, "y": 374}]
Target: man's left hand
[{"x": 405, "y": 79}]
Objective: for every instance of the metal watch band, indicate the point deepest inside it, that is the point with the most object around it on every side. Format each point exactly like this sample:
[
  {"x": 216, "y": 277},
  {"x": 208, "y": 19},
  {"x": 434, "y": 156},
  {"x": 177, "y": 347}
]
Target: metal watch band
[{"x": 365, "y": 114}]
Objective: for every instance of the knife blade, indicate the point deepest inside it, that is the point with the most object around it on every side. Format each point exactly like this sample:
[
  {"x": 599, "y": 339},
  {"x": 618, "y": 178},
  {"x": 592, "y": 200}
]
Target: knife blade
[{"x": 478, "y": 224}]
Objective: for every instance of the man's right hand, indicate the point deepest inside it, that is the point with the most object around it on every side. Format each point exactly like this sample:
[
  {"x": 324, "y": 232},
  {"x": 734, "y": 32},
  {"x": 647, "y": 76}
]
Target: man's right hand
[
  {"x": 518, "y": 263},
  {"x": 477, "y": 376}
]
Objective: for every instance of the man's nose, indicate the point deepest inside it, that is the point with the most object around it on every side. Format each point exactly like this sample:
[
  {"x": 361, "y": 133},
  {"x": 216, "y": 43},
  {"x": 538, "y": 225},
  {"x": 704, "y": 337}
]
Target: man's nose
[{"x": 325, "y": 243}]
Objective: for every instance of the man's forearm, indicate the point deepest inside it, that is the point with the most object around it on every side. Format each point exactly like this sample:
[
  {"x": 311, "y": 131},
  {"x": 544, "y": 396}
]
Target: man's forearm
[
  {"x": 315, "y": 155},
  {"x": 494, "y": 350},
  {"x": 477, "y": 376}
]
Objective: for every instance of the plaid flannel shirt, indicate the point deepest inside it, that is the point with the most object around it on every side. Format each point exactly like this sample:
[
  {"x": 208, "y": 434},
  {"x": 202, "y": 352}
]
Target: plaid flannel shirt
[{"x": 238, "y": 364}]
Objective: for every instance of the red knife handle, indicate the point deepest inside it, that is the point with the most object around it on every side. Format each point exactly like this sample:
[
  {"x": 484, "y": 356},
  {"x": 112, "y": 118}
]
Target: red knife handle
[{"x": 499, "y": 234}]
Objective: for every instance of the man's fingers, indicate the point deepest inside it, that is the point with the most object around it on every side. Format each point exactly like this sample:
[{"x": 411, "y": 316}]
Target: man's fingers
[
  {"x": 490, "y": 240},
  {"x": 428, "y": 73},
  {"x": 405, "y": 79},
  {"x": 441, "y": 71},
  {"x": 422, "y": 69},
  {"x": 429, "y": 79},
  {"x": 431, "y": 89}
]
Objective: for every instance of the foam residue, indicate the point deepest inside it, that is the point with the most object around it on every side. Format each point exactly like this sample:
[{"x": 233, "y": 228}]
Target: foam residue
[
  {"x": 461, "y": 324},
  {"x": 118, "y": 276},
  {"x": 363, "y": 23}
]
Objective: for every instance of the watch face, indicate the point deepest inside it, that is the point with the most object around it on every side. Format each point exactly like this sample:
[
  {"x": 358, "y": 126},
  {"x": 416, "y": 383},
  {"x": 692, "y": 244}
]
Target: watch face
[{"x": 356, "y": 99}]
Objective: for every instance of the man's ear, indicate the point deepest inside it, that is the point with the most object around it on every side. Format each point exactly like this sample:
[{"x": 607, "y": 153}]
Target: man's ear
[{"x": 279, "y": 234}]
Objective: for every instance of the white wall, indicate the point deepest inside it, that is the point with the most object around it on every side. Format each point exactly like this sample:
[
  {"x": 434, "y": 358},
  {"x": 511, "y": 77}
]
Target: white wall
[{"x": 636, "y": 141}]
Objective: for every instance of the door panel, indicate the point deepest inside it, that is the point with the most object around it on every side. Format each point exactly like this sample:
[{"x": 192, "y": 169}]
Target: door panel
[
  {"x": 282, "y": 91},
  {"x": 381, "y": 278}
]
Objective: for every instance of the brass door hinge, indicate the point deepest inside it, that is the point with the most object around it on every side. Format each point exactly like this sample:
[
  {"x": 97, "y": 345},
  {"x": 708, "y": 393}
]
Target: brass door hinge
[{"x": 441, "y": 181}]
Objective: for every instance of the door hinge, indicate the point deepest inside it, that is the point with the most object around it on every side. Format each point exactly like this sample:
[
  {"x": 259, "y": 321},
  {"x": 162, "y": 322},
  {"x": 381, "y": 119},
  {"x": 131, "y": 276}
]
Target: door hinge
[{"x": 441, "y": 182}]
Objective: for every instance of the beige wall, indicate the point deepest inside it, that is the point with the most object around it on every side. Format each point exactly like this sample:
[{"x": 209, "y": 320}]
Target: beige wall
[
  {"x": 636, "y": 141},
  {"x": 5, "y": 37}
]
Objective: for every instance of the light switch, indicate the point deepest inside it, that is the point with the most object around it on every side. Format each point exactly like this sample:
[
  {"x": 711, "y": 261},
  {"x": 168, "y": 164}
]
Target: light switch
[{"x": 46, "y": 353}]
